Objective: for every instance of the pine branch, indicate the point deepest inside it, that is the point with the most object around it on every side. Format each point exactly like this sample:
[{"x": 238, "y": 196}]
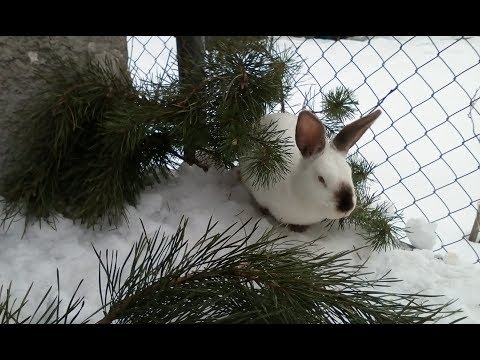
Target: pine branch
[
  {"x": 269, "y": 157},
  {"x": 339, "y": 104},
  {"x": 378, "y": 228},
  {"x": 243, "y": 80},
  {"x": 361, "y": 170},
  {"x": 230, "y": 278},
  {"x": 69, "y": 164}
]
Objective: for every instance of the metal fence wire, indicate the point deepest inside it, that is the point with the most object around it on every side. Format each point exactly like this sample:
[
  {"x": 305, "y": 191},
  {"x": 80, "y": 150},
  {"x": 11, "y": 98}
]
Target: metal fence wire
[{"x": 426, "y": 144}]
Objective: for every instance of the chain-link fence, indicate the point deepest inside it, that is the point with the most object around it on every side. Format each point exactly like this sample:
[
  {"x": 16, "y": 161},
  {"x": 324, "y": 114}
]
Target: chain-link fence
[{"x": 426, "y": 144}]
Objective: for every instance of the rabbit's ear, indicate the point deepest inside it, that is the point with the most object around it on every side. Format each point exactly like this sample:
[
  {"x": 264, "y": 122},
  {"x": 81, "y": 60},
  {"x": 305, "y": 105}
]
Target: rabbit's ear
[
  {"x": 309, "y": 134},
  {"x": 350, "y": 134}
]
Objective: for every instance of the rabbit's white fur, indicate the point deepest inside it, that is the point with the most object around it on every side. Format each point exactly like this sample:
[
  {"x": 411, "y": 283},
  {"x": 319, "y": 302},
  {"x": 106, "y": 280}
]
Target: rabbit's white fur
[{"x": 301, "y": 198}]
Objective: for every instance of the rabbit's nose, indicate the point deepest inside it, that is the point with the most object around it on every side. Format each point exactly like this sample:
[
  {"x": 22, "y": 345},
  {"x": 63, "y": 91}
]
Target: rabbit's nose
[{"x": 345, "y": 199}]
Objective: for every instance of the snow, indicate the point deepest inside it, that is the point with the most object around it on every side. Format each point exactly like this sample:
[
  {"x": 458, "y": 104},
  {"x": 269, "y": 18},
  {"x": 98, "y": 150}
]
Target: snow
[
  {"x": 421, "y": 233},
  {"x": 416, "y": 148},
  {"x": 199, "y": 196},
  {"x": 451, "y": 258}
]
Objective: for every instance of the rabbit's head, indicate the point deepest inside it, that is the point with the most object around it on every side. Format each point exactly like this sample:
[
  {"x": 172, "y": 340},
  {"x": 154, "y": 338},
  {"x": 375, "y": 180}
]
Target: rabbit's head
[{"x": 323, "y": 177}]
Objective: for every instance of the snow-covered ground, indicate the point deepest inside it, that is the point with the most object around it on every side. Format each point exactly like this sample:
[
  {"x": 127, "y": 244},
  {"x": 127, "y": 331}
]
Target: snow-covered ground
[{"x": 199, "y": 195}]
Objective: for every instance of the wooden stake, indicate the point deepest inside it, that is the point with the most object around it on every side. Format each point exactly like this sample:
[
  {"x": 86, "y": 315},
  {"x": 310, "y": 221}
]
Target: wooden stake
[{"x": 474, "y": 233}]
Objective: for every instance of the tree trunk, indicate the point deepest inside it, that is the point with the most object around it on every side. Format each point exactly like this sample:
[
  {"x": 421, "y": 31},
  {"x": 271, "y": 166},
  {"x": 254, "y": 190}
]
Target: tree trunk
[
  {"x": 189, "y": 53},
  {"x": 18, "y": 84}
]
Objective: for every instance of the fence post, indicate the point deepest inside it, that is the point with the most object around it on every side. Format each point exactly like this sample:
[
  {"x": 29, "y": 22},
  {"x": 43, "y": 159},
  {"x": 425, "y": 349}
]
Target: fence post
[
  {"x": 189, "y": 53},
  {"x": 474, "y": 233}
]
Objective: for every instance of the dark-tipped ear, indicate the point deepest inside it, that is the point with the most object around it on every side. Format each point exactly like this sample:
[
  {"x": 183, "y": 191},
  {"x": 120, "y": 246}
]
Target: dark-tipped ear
[
  {"x": 350, "y": 134},
  {"x": 309, "y": 134}
]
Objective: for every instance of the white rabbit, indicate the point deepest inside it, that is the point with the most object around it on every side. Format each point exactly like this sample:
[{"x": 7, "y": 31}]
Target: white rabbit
[{"x": 318, "y": 184}]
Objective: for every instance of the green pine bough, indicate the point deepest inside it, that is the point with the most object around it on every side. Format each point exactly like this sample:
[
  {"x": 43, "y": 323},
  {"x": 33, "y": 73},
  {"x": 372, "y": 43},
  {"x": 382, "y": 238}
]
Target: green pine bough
[{"x": 258, "y": 278}]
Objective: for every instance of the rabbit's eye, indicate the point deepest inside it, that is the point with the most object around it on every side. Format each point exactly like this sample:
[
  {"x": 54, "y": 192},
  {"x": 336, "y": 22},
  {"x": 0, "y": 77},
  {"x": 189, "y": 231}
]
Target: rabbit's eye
[{"x": 322, "y": 180}]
